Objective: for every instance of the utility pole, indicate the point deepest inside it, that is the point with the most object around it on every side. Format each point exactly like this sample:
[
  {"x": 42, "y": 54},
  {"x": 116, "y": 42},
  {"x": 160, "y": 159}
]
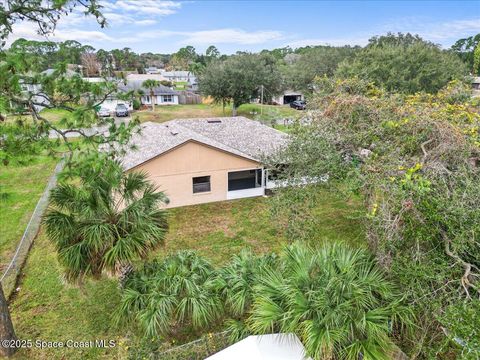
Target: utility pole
[{"x": 261, "y": 101}]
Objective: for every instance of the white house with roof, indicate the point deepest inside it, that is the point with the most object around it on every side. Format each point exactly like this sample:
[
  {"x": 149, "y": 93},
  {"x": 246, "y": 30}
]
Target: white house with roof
[
  {"x": 204, "y": 160},
  {"x": 264, "y": 347},
  {"x": 163, "y": 95}
]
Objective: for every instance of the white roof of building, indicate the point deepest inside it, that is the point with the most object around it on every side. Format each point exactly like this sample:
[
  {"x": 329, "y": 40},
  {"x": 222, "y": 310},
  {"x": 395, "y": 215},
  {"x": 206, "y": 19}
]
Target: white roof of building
[
  {"x": 237, "y": 135},
  {"x": 143, "y": 77},
  {"x": 178, "y": 73},
  {"x": 264, "y": 347},
  {"x": 476, "y": 80}
]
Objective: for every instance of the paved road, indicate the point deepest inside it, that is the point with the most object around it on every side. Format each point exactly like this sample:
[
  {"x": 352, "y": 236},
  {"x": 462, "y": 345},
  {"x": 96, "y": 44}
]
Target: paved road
[{"x": 91, "y": 131}]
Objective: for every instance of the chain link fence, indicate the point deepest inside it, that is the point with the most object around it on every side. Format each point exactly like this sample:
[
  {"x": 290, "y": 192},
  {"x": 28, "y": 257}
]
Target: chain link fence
[
  {"x": 9, "y": 277},
  {"x": 196, "y": 350}
]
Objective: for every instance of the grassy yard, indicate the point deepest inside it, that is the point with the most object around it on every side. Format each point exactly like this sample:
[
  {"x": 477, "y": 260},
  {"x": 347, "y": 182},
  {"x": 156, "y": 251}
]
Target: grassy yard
[
  {"x": 219, "y": 230},
  {"x": 252, "y": 111},
  {"x": 181, "y": 85},
  {"x": 47, "y": 308},
  {"x": 53, "y": 115},
  {"x": 20, "y": 189}
]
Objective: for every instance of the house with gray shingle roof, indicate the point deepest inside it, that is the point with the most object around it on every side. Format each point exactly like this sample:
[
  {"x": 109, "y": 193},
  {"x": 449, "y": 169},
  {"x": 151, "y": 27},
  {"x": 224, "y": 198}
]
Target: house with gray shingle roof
[
  {"x": 163, "y": 94},
  {"x": 207, "y": 159}
]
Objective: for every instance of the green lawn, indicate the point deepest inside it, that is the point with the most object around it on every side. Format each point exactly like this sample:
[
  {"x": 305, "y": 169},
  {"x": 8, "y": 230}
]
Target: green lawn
[
  {"x": 47, "y": 308},
  {"x": 53, "y": 115},
  {"x": 252, "y": 111},
  {"x": 20, "y": 189},
  {"x": 181, "y": 85},
  {"x": 219, "y": 230}
]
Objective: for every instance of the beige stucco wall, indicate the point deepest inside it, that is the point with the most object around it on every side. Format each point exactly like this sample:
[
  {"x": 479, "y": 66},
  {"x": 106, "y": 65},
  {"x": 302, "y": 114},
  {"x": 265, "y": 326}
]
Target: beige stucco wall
[{"x": 173, "y": 171}]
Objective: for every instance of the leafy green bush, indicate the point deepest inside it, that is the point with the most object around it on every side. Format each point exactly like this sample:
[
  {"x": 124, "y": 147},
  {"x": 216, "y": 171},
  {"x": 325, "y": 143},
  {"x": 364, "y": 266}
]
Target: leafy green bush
[
  {"x": 136, "y": 104},
  {"x": 415, "y": 160},
  {"x": 334, "y": 298},
  {"x": 172, "y": 297},
  {"x": 404, "y": 63}
]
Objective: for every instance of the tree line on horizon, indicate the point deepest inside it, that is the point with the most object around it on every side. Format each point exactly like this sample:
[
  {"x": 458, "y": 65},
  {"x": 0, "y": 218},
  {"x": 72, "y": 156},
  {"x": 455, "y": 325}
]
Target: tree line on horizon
[{"x": 187, "y": 58}]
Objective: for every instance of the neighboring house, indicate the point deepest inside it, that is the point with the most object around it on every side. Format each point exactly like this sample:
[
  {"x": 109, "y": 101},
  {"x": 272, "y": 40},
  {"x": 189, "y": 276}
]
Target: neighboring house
[
  {"x": 476, "y": 86},
  {"x": 476, "y": 83},
  {"x": 163, "y": 94},
  {"x": 42, "y": 101},
  {"x": 264, "y": 347},
  {"x": 178, "y": 76},
  {"x": 96, "y": 79},
  {"x": 182, "y": 77},
  {"x": 152, "y": 70},
  {"x": 173, "y": 76},
  {"x": 204, "y": 160},
  {"x": 68, "y": 73},
  {"x": 143, "y": 77},
  {"x": 288, "y": 97}
]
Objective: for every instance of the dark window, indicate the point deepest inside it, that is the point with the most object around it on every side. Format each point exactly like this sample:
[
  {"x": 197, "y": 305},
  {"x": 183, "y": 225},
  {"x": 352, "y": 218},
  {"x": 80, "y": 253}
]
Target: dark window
[{"x": 201, "y": 184}]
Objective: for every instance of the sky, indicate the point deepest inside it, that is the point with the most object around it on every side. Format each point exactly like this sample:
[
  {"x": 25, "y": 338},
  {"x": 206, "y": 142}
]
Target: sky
[{"x": 162, "y": 26}]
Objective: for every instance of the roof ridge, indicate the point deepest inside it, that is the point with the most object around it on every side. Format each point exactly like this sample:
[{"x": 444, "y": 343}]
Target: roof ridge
[{"x": 209, "y": 137}]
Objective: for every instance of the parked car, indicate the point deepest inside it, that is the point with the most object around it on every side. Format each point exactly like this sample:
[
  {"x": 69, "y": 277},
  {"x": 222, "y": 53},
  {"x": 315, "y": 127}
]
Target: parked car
[
  {"x": 121, "y": 110},
  {"x": 298, "y": 104},
  {"x": 103, "y": 112}
]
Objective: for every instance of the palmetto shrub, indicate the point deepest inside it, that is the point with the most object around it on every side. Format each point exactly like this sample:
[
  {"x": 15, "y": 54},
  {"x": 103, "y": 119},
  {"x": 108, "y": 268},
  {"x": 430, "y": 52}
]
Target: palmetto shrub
[
  {"x": 335, "y": 299},
  {"x": 171, "y": 296},
  {"x": 235, "y": 281},
  {"x": 107, "y": 220}
]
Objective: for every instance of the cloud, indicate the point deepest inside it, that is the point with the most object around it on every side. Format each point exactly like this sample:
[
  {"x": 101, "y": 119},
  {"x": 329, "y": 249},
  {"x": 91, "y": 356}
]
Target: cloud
[
  {"x": 230, "y": 36},
  {"x": 28, "y": 30},
  {"x": 449, "y": 29},
  {"x": 362, "y": 41},
  {"x": 144, "y": 13},
  {"x": 145, "y": 22},
  {"x": 444, "y": 33},
  {"x": 149, "y": 7}
]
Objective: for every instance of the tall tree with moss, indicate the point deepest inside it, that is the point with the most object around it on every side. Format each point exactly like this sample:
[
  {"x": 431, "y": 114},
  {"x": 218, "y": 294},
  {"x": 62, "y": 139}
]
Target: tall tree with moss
[
  {"x": 465, "y": 48},
  {"x": 476, "y": 60},
  {"x": 239, "y": 79},
  {"x": 404, "y": 63}
]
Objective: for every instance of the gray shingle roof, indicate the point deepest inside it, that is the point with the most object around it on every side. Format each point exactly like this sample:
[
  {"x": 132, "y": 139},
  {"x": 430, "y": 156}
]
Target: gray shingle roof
[
  {"x": 237, "y": 135},
  {"x": 138, "y": 84}
]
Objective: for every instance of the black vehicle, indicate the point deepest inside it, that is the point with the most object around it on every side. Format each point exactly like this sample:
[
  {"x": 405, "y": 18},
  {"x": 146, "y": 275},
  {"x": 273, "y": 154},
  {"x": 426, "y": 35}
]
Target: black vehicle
[
  {"x": 298, "y": 104},
  {"x": 121, "y": 110}
]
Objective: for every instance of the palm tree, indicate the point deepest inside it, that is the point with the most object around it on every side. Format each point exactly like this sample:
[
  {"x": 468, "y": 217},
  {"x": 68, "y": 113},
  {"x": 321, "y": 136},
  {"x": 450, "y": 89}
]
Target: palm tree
[
  {"x": 171, "y": 297},
  {"x": 335, "y": 299},
  {"x": 151, "y": 85},
  {"x": 235, "y": 281},
  {"x": 106, "y": 221}
]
